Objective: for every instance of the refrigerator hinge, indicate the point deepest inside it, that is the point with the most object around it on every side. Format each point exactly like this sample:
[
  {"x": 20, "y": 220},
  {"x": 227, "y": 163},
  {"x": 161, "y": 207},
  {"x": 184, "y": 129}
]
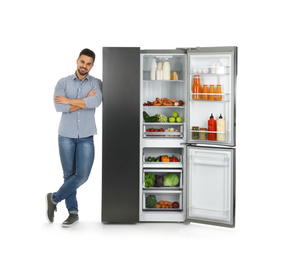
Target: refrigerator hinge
[{"x": 189, "y": 48}]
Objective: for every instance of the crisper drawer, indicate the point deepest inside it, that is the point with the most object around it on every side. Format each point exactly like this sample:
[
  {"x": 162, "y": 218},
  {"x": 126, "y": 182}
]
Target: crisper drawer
[
  {"x": 158, "y": 179},
  {"x": 163, "y": 130},
  {"x": 164, "y": 200},
  {"x": 152, "y": 158}
]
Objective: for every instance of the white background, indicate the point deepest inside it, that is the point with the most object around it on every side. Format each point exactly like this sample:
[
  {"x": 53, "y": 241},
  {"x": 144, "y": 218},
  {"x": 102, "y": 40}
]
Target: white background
[{"x": 40, "y": 42}]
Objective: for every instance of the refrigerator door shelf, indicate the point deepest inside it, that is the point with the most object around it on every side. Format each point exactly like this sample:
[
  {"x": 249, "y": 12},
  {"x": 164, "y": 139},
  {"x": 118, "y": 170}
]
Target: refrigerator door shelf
[
  {"x": 211, "y": 185},
  {"x": 225, "y": 97},
  {"x": 164, "y": 195},
  {"x": 210, "y": 70},
  {"x": 162, "y": 173}
]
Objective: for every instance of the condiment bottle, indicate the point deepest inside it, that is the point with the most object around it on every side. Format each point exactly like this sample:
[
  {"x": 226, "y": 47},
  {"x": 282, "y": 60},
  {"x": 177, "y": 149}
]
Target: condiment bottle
[
  {"x": 166, "y": 70},
  {"x": 203, "y": 134},
  {"x": 153, "y": 69},
  {"x": 218, "y": 90},
  {"x": 220, "y": 126},
  {"x": 211, "y": 96},
  {"x": 212, "y": 127},
  {"x": 205, "y": 91},
  {"x": 197, "y": 88}
]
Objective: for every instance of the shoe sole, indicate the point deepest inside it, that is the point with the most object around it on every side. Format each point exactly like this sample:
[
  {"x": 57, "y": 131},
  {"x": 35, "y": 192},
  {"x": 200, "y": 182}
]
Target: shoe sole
[
  {"x": 69, "y": 225},
  {"x": 47, "y": 203}
]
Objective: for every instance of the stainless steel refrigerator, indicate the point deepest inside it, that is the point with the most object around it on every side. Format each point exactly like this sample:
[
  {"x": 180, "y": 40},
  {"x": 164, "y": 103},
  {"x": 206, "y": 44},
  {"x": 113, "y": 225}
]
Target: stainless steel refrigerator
[{"x": 205, "y": 165}]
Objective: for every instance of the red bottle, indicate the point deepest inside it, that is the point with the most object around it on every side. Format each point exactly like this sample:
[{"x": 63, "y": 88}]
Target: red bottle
[{"x": 212, "y": 127}]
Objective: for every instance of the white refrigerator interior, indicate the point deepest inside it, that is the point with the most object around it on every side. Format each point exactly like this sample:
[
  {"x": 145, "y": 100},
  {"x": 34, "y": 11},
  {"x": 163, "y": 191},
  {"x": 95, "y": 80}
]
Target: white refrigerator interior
[{"x": 205, "y": 192}]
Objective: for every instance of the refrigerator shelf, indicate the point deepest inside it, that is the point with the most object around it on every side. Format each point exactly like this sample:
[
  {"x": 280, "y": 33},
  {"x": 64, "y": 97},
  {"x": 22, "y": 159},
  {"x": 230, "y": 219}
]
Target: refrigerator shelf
[
  {"x": 168, "y": 107},
  {"x": 225, "y": 97},
  {"x": 172, "y": 81}
]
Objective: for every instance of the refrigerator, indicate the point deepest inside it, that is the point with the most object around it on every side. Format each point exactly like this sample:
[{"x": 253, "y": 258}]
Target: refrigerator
[{"x": 135, "y": 136}]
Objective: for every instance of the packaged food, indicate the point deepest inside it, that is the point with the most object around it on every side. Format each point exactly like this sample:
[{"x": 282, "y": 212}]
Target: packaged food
[
  {"x": 203, "y": 134},
  {"x": 212, "y": 127},
  {"x": 218, "y": 90},
  {"x": 197, "y": 88},
  {"x": 195, "y": 133},
  {"x": 211, "y": 92},
  {"x": 205, "y": 91}
]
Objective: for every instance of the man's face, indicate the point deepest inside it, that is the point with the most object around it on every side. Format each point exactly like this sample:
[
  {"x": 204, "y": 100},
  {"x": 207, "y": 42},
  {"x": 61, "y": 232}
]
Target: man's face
[{"x": 84, "y": 64}]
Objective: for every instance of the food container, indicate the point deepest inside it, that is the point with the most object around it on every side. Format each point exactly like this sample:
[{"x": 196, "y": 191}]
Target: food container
[
  {"x": 195, "y": 133},
  {"x": 203, "y": 134}
]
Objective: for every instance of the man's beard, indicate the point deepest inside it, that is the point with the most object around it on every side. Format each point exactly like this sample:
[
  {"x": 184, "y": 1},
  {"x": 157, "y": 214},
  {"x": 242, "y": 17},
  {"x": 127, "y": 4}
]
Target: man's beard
[{"x": 82, "y": 74}]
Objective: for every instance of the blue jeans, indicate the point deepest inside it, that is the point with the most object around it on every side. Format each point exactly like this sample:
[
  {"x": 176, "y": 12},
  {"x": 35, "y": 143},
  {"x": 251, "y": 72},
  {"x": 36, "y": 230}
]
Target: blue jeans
[{"x": 77, "y": 155}]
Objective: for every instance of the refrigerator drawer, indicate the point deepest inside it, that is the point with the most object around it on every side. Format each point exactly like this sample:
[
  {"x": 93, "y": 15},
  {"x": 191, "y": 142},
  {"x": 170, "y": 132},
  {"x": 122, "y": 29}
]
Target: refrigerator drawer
[
  {"x": 163, "y": 130},
  {"x": 158, "y": 175},
  {"x": 164, "y": 200},
  {"x": 152, "y": 158}
]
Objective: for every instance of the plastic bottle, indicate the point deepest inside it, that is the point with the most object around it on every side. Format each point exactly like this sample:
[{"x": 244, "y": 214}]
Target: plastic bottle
[
  {"x": 197, "y": 88},
  {"x": 220, "y": 126},
  {"x": 166, "y": 70},
  {"x": 153, "y": 69},
  {"x": 212, "y": 127}
]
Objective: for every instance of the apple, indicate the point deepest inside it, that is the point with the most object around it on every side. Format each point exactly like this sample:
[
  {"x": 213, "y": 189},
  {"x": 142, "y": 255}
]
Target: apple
[
  {"x": 179, "y": 119},
  {"x": 175, "y": 114},
  {"x": 172, "y": 119}
]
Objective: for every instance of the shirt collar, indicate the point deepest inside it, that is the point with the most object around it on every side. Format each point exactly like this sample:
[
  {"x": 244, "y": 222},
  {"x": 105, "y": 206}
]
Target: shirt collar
[{"x": 86, "y": 78}]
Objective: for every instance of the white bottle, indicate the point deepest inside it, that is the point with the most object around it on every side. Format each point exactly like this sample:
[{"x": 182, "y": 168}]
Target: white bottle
[
  {"x": 220, "y": 127},
  {"x": 153, "y": 69},
  {"x": 166, "y": 70}
]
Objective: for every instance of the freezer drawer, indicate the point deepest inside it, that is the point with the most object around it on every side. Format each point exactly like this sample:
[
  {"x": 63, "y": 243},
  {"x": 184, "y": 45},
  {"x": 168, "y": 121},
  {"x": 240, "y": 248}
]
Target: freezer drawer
[{"x": 211, "y": 185}]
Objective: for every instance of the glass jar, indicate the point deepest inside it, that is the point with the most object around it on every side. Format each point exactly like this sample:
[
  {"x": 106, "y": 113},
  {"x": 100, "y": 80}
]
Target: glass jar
[
  {"x": 203, "y": 134},
  {"x": 195, "y": 133}
]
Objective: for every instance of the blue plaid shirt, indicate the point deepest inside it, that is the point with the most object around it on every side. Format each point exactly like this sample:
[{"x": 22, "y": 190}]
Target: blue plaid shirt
[{"x": 80, "y": 123}]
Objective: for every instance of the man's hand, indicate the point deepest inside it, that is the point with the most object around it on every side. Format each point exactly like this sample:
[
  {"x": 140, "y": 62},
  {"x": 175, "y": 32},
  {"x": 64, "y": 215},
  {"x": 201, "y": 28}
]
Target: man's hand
[
  {"x": 91, "y": 93},
  {"x": 62, "y": 100}
]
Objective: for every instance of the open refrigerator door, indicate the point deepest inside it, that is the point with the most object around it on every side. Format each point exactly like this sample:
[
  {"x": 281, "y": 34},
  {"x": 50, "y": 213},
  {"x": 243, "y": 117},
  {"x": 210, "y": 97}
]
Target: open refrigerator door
[
  {"x": 212, "y": 84},
  {"x": 211, "y": 185}
]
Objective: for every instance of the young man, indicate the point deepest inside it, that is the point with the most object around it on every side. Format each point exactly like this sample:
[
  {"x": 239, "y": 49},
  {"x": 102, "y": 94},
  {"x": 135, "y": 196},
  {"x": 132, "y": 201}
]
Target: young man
[{"x": 76, "y": 97}]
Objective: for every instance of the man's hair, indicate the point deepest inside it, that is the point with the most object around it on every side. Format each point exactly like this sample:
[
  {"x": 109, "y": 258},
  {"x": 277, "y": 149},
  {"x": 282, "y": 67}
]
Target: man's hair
[{"x": 88, "y": 53}]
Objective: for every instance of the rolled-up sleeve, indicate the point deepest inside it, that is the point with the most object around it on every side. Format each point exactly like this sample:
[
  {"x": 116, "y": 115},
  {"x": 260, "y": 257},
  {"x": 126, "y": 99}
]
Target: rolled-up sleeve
[
  {"x": 94, "y": 101},
  {"x": 60, "y": 90}
]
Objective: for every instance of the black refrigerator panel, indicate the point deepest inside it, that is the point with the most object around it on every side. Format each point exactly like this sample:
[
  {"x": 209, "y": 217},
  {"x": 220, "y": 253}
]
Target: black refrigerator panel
[{"x": 120, "y": 143}]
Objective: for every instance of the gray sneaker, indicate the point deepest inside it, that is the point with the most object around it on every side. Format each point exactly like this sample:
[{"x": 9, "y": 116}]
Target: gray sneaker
[
  {"x": 51, "y": 208},
  {"x": 71, "y": 220}
]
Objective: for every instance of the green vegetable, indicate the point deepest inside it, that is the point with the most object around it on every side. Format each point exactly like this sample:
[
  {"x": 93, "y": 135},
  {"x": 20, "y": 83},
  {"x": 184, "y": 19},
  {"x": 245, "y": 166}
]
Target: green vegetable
[
  {"x": 145, "y": 115},
  {"x": 151, "y": 119},
  {"x": 148, "y": 118},
  {"x": 171, "y": 180},
  {"x": 161, "y": 118},
  {"x": 149, "y": 179},
  {"x": 149, "y": 159},
  {"x": 151, "y": 201}
]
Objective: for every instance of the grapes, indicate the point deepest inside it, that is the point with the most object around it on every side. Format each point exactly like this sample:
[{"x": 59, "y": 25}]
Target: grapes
[{"x": 161, "y": 118}]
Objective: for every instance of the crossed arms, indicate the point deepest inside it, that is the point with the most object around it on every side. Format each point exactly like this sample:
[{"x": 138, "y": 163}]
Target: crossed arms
[{"x": 75, "y": 104}]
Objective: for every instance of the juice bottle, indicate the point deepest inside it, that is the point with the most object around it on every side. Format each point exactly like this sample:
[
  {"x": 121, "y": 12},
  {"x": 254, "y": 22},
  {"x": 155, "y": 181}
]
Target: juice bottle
[
  {"x": 205, "y": 91},
  {"x": 211, "y": 96},
  {"x": 197, "y": 88},
  {"x": 218, "y": 90},
  {"x": 212, "y": 127}
]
